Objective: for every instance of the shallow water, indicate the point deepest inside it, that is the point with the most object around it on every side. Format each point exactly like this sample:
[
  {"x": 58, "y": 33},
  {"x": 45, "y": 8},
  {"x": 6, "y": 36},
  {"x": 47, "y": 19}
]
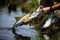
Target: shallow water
[
  {"x": 8, "y": 20},
  {"x": 6, "y": 23}
]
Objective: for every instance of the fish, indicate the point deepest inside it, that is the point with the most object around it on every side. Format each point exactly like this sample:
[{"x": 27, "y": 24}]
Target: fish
[{"x": 28, "y": 17}]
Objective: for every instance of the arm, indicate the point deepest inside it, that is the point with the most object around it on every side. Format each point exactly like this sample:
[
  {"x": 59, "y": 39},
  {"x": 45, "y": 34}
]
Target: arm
[
  {"x": 56, "y": 6},
  {"x": 47, "y": 9},
  {"x": 47, "y": 3}
]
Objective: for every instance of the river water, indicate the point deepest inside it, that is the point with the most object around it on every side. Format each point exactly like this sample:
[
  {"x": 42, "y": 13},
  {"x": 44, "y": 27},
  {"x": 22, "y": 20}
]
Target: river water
[{"x": 8, "y": 20}]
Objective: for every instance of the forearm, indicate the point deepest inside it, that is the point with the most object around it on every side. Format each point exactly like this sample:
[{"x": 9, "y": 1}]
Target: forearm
[{"x": 56, "y": 6}]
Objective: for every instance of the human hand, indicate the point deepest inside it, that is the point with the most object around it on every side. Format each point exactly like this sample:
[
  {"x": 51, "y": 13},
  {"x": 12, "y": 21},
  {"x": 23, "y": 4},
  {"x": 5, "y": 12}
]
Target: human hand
[
  {"x": 46, "y": 9},
  {"x": 24, "y": 21}
]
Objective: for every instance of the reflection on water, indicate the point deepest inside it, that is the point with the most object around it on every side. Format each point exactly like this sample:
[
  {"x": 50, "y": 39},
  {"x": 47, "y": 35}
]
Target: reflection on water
[
  {"x": 6, "y": 34},
  {"x": 27, "y": 31}
]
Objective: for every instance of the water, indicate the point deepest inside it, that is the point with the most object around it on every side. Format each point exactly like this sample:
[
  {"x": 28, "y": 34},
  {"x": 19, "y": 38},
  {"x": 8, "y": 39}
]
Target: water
[
  {"x": 28, "y": 31},
  {"x": 6, "y": 34},
  {"x": 6, "y": 23},
  {"x": 8, "y": 20}
]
